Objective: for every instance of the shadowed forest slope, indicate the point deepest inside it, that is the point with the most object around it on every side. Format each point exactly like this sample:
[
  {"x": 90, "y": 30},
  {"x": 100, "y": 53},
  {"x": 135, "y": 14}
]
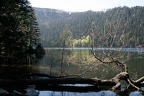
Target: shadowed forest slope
[{"x": 53, "y": 23}]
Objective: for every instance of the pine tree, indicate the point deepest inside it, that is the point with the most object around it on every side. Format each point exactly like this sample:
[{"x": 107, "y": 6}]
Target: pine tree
[{"x": 18, "y": 29}]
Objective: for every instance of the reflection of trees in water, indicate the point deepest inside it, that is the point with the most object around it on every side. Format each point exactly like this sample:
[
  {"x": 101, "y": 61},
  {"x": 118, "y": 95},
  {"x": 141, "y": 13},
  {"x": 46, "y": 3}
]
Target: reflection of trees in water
[
  {"x": 89, "y": 66},
  {"x": 40, "y": 52},
  {"x": 65, "y": 93},
  {"x": 35, "y": 55}
]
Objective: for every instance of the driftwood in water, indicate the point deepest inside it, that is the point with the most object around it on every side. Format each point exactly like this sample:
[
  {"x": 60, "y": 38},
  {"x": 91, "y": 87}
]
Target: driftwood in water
[
  {"x": 56, "y": 81},
  {"x": 95, "y": 82}
]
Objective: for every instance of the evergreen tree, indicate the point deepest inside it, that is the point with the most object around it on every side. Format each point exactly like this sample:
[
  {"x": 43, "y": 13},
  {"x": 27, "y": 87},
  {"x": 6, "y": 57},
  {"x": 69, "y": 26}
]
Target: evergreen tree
[
  {"x": 18, "y": 29},
  {"x": 116, "y": 27}
]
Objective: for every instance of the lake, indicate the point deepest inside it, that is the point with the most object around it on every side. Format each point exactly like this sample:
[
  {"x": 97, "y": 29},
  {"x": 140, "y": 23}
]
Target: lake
[
  {"x": 74, "y": 62},
  {"x": 79, "y": 62}
]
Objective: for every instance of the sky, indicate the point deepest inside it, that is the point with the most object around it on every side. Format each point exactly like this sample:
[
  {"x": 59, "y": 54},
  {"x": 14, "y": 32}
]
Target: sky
[{"x": 84, "y": 5}]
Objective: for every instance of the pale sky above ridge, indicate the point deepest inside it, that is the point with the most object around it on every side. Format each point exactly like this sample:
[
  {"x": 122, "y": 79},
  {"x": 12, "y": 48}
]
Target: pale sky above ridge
[{"x": 84, "y": 5}]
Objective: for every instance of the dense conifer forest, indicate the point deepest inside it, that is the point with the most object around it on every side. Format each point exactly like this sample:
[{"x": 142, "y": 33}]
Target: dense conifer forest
[
  {"x": 18, "y": 30},
  {"x": 80, "y": 25}
]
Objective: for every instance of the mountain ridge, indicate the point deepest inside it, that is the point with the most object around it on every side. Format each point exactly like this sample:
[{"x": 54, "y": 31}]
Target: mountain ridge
[{"x": 53, "y": 22}]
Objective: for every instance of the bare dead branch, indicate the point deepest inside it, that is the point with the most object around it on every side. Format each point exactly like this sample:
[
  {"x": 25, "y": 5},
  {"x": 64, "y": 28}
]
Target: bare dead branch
[
  {"x": 140, "y": 80},
  {"x": 111, "y": 60}
]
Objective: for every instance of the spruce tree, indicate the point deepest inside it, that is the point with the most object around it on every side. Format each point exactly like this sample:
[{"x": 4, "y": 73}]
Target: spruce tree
[{"x": 18, "y": 29}]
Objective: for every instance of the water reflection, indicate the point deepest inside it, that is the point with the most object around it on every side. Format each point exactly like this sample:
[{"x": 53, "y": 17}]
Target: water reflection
[
  {"x": 135, "y": 93},
  {"x": 79, "y": 60},
  {"x": 52, "y": 93},
  {"x": 100, "y": 93}
]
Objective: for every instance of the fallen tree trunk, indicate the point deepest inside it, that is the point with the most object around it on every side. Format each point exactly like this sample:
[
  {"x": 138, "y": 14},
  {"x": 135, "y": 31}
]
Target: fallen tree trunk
[
  {"x": 114, "y": 82},
  {"x": 56, "y": 81}
]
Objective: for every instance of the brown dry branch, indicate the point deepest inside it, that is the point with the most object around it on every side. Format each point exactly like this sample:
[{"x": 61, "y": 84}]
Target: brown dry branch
[
  {"x": 110, "y": 61},
  {"x": 121, "y": 76}
]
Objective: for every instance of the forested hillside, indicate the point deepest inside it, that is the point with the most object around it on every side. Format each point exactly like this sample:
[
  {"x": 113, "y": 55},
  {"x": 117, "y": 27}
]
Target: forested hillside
[{"x": 120, "y": 23}]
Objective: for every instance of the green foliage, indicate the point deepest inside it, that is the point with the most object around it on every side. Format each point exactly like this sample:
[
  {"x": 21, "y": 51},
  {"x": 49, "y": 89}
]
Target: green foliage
[
  {"x": 66, "y": 38},
  {"x": 83, "y": 42},
  {"x": 18, "y": 29},
  {"x": 117, "y": 27}
]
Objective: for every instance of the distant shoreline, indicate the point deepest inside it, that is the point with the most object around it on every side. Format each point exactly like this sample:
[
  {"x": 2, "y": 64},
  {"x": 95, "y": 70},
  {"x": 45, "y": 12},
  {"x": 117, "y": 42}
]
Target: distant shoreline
[{"x": 114, "y": 49}]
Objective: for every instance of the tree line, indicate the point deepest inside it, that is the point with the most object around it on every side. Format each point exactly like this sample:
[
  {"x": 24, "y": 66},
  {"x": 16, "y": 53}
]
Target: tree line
[
  {"x": 18, "y": 30},
  {"x": 123, "y": 22}
]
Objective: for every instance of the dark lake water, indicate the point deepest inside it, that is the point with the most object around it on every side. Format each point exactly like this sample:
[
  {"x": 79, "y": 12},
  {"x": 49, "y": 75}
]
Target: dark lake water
[{"x": 79, "y": 61}]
